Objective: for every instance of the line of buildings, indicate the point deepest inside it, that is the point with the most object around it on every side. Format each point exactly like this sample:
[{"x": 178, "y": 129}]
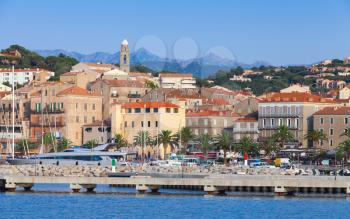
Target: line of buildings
[{"x": 95, "y": 101}]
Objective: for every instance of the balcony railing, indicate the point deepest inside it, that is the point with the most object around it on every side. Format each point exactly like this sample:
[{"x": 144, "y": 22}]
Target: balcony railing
[
  {"x": 269, "y": 127},
  {"x": 134, "y": 95},
  {"x": 48, "y": 111},
  {"x": 279, "y": 115},
  {"x": 47, "y": 124},
  {"x": 245, "y": 131}
]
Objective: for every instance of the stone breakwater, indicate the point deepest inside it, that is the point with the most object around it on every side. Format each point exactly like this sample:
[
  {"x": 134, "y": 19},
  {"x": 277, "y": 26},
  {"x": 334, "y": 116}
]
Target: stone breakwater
[{"x": 102, "y": 171}]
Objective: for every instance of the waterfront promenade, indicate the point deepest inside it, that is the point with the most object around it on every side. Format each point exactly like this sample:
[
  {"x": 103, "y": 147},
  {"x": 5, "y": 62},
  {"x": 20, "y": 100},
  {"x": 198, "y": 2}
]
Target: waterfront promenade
[{"x": 210, "y": 183}]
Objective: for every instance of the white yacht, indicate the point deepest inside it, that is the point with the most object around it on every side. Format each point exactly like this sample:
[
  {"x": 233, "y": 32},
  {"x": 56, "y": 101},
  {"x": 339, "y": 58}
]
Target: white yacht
[{"x": 75, "y": 156}]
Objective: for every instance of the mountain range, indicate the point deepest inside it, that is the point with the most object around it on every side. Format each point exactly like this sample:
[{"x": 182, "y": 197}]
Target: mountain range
[{"x": 200, "y": 67}]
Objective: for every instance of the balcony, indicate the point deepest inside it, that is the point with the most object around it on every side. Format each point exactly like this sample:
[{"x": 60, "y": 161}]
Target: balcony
[
  {"x": 114, "y": 95},
  {"x": 279, "y": 115},
  {"x": 48, "y": 111},
  {"x": 245, "y": 131},
  {"x": 269, "y": 127},
  {"x": 134, "y": 95},
  {"x": 46, "y": 124}
]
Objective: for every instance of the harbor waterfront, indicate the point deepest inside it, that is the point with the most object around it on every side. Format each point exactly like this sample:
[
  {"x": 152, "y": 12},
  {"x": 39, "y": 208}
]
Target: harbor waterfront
[{"x": 279, "y": 182}]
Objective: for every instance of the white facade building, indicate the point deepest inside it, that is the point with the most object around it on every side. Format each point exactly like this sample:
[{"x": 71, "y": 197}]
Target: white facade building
[
  {"x": 177, "y": 80},
  {"x": 20, "y": 76}
]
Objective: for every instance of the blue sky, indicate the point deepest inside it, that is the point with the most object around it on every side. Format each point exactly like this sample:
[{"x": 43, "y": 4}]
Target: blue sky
[{"x": 279, "y": 32}]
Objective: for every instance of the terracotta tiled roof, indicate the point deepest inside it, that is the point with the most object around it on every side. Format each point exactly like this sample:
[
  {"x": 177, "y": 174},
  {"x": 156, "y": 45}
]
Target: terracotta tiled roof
[
  {"x": 297, "y": 97},
  {"x": 123, "y": 83},
  {"x": 247, "y": 119},
  {"x": 77, "y": 91},
  {"x": 149, "y": 105},
  {"x": 215, "y": 101},
  {"x": 4, "y": 93},
  {"x": 175, "y": 75},
  {"x": 334, "y": 111},
  {"x": 205, "y": 113}
]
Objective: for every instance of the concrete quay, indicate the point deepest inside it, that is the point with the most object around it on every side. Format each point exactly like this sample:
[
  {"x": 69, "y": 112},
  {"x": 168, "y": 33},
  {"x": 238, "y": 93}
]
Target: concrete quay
[{"x": 213, "y": 185}]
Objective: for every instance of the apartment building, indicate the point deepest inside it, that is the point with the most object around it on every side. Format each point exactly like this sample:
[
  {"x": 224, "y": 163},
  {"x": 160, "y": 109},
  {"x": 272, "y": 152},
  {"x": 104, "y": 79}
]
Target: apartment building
[
  {"x": 21, "y": 76},
  {"x": 97, "y": 131},
  {"x": 130, "y": 118},
  {"x": 118, "y": 91},
  {"x": 333, "y": 121},
  {"x": 293, "y": 110},
  {"x": 64, "y": 109},
  {"x": 245, "y": 127},
  {"x": 177, "y": 80},
  {"x": 209, "y": 121}
]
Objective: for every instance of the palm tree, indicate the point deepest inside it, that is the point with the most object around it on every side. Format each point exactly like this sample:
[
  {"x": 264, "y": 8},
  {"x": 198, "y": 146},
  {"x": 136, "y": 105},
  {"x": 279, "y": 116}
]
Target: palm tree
[
  {"x": 91, "y": 143},
  {"x": 316, "y": 136},
  {"x": 142, "y": 139},
  {"x": 344, "y": 148},
  {"x": 63, "y": 144},
  {"x": 185, "y": 135},
  {"x": 49, "y": 142},
  {"x": 268, "y": 146},
  {"x": 120, "y": 141},
  {"x": 224, "y": 142},
  {"x": 246, "y": 145},
  {"x": 166, "y": 138},
  {"x": 283, "y": 135},
  {"x": 205, "y": 141}
]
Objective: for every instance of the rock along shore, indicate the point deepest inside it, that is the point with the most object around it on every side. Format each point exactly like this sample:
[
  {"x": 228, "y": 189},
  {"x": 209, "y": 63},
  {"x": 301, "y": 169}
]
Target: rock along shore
[{"x": 102, "y": 171}]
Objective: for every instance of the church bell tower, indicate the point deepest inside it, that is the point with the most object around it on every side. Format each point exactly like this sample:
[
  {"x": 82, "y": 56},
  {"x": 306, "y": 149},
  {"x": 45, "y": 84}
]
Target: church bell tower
[{"x": 125, "y": 56}]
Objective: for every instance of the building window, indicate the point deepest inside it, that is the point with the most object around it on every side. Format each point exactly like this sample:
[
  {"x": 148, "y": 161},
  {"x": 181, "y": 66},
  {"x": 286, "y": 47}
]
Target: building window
[
  {"x": 93, "y": 119},
  {"x": 85, "y": 119},
  {"x": 272, "y": 122},
  {"x": 331, "y": 142},
  {"x": 296, "y": 123},
  {"x": 156, "y": 123},
  {"x": 77, "y": 118},
  {"x": 88, "y": 129},
  {"x": 176, "y": 110},
  {"x": 149, "y": 124},
  {"x": 205, "y": 121},
  {"x": 280, "y": 122},
  {"x": 264, "y": 123},
  {"x": 332, "y": 120},
  {"x": 288, "y": 122},
  {"x": 93, "y": 107},
  {"x": 331, "y": 131},
  {"x": 141, "y": 123},
  {"x": 137, "y": 110},
  {"x": 167, "y": 110},
  {"x": 321, "y": 130},
  {"x": 321, "y": 120},
  {"x": 129, "y": 110},
  {"x": 155, "y": 110},
  {"x": 346, "y": 120},
  {"x": 76, "y": 106},
  {"x": 132, "y": 124},
  {"x": 125, "y": 124},
  {"x": 85, "y": 106},
  {"x": 148, "y": 110}
]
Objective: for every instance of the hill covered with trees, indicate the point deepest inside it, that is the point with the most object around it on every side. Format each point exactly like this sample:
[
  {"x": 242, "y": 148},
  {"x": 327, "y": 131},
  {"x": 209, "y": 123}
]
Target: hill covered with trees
[{"x": 28, "y": 59}]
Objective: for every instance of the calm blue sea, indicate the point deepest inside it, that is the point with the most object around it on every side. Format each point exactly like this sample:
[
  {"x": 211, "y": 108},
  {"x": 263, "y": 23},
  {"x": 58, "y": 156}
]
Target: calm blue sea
[{"x": 109, "y": 202}]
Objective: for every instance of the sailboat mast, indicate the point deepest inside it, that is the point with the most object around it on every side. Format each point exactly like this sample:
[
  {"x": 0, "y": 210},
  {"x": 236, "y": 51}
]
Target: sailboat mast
[{"x": 13, "y": 112}]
